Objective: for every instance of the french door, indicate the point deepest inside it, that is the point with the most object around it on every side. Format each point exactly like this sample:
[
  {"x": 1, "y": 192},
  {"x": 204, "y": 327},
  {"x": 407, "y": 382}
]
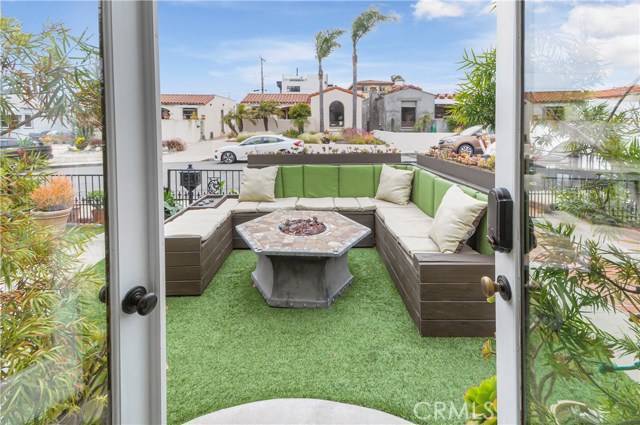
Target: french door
[
  {"x": 567, "y": 116},
  {"x": 135, "y": 211}
]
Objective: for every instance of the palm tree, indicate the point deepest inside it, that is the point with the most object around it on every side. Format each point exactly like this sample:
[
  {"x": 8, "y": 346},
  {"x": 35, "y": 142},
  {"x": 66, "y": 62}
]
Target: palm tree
[
  {"x": 266, "y": 110},
  {"x": 361, "y": 26},
  {"x": 325, "y": 44},
  {"x": 228, "y": 119},
  {"x": 244, "y": 112}
]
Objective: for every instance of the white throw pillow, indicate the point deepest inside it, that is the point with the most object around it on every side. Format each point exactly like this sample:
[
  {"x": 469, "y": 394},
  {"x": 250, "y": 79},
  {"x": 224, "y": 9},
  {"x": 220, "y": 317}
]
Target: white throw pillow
[
  {"x": 258, "y": 184},
  {"x": 456, "y": 220},
  {"x": 395, "y": 185}
]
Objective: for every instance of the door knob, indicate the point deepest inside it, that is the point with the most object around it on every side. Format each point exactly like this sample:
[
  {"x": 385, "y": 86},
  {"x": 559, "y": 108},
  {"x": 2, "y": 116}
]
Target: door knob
[
  {"x": 501, "y": 286},
  {"x": 139, "y": 300},
  {"x": 102, "y": 295}
]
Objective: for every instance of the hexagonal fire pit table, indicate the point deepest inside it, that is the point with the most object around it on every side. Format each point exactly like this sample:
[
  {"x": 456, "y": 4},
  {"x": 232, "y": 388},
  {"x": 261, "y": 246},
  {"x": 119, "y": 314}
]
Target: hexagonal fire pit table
[{"x": 302, "y": 271}]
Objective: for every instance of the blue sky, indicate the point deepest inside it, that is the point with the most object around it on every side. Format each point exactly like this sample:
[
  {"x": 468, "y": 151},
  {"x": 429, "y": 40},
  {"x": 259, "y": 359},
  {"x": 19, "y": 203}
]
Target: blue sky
[{"x": 213, "y": 46}]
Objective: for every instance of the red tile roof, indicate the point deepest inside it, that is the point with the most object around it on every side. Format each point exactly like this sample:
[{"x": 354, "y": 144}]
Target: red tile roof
[
  {"x": 334, "y": 88},
  {"x": 617, "y": 92},
  {"x": 186, "y": 99},
  {"x": 403, "y": 87},
  {"x": 574, "y": 96},
  {"x": 281, "y": 99},
  {"x": 445, "y": 96}
]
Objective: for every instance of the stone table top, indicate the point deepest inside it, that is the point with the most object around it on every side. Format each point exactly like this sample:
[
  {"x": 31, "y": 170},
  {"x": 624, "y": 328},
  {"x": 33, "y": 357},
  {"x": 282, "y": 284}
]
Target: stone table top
[{"x": 264, "y": 236}]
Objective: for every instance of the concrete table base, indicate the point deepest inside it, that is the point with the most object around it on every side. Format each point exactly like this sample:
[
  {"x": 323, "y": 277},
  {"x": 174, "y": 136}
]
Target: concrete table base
[{"x": 299, "y": 282}]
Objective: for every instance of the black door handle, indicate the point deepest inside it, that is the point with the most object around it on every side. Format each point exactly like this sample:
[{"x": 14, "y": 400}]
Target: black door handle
[
  {"x": 139, "y": 300},
  {"x": 103, "y": 294}
]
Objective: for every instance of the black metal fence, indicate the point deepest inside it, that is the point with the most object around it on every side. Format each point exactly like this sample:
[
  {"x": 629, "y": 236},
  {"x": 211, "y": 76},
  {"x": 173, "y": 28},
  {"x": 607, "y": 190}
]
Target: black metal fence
[
  {"x": 189, "y": 185},
  {"x": 89, "y": 200},
  {"x": 619, "y": 198}
]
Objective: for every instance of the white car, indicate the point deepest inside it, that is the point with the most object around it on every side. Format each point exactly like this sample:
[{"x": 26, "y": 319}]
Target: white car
[{"x": 266, "y": 143}]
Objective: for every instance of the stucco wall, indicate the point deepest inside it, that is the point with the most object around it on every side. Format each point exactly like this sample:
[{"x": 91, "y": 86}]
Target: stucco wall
[
  {"x": 331, "y": 96},
  {"x": 275, "y": 126},
  {"x": 177, "y": 127},
  {"x": 391, "y": 105}
]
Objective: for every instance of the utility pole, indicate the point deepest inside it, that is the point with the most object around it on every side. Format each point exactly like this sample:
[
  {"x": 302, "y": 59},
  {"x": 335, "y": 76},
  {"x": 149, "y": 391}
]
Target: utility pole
[{"x": 262, "y": 60}]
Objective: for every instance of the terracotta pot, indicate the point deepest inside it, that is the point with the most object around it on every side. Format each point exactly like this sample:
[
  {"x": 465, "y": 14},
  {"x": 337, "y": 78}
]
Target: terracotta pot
[{"x": 57, "y": 220}]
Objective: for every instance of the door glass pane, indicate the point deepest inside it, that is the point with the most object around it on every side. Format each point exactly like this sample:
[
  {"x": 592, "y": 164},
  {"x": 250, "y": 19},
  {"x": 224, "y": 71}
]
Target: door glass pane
[
  {"x": 53, "y": 345},
  {"x": 582, "y": 157}
]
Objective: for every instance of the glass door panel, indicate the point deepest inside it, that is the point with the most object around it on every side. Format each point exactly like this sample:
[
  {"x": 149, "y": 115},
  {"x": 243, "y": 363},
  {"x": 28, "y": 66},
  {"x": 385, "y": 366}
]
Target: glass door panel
[
  {"x": 581, "y": 120},
  {"x": 53, "y": 343}
]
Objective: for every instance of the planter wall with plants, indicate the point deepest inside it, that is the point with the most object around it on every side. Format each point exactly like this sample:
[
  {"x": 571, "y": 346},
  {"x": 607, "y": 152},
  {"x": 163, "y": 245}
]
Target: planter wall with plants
[
  {"x": 264, "y": 160},
  {"x": 475, "y": 177}
]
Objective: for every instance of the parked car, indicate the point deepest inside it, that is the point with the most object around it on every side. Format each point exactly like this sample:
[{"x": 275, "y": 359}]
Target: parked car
[
  {"x": 467, "y": 141},
  {"x": 54, "y": 137},
  {"x": 267, "y": 143},
  {"x": 15, "y": 148}
]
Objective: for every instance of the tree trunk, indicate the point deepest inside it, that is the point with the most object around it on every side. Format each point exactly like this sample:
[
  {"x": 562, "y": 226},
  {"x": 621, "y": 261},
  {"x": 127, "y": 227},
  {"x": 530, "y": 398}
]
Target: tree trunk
[
  {"x": 265, "y": 120},
  {"x": 320, "y": 76},
  {"x": 354, "y": 88},
  {"x": 240, "y": 125}
]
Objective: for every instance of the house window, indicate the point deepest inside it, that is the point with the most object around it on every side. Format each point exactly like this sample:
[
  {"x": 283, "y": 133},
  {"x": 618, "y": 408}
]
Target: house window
[
  {"x": 293, "y": 89},
  {"x": 408, "y": 114},
  {"x": 190, "y": 113},
  {"x": 336, "y": 114},
  {"x": 13, "y": 119},
  {"x": 30, "y": 123}
]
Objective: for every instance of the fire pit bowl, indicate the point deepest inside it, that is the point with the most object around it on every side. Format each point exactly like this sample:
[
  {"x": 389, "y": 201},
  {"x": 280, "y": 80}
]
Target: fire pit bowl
[{"x": 302, "y": 226}]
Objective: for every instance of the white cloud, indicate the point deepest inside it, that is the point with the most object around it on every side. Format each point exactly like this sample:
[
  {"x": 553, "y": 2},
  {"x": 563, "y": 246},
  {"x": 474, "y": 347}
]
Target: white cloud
[
  {"x": 431, "y": 9},
  {"x": 603, "y": 21}
]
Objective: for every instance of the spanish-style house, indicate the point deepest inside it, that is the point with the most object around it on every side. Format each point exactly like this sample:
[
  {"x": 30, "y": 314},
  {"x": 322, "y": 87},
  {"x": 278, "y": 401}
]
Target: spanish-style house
[
  {"x": 194, "y": 117},
  {"x": 398, "y": 109},
  {"x": 338, "y": 109}
]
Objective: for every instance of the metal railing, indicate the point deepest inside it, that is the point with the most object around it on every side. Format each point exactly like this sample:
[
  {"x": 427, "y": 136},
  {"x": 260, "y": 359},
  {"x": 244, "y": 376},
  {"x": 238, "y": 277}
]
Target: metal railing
[
  {"x": 548, "y": 193},
  {"x": 207, "y": 182},
  {"x": 84, "y": 210}
]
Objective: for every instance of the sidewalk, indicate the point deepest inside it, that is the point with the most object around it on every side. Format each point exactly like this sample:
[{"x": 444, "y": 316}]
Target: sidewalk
[{"x": 195, "y": 152}]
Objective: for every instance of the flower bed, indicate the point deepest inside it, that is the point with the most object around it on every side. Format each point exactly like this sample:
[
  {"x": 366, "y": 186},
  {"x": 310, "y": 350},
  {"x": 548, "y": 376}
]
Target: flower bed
[{"x": 488, "y": 164}]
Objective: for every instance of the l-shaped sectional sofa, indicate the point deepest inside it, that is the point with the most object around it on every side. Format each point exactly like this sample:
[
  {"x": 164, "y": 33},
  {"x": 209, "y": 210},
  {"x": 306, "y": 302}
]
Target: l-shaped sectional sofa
[{"x": 441, "y": 291}]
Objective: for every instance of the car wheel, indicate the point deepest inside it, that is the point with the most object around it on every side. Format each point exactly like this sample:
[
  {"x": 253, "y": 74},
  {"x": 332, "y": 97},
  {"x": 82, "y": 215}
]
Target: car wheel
[
  {"x": 228, "y": 158},
  {"x": 465, "y": 148},
  {"x": 284, "y": 151}
]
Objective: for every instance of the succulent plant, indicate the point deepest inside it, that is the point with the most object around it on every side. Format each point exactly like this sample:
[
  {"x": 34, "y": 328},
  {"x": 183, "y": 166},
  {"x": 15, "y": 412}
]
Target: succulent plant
[{"x": 482, "y": 402}]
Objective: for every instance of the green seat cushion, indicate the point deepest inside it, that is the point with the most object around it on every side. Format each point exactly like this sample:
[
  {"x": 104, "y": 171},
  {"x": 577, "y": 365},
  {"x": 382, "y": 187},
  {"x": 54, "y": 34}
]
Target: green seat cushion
[
  {"x": 481, "y": 243},
  {"x": 292, "y": 181},
  {"x": 424, "y": 197},
  {"x": 321, "y": 181},
  {"x": 356, "y": 181},
  {"x": 279, "y": 189},
  {"x": 377, "y": 169},
  {"x": 440, "y": 187}
]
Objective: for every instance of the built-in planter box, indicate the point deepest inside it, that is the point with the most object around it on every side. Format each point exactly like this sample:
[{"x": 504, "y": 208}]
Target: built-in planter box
[
  {"x": 471, "y": 176},
  {"x": 264, "y": 160}
]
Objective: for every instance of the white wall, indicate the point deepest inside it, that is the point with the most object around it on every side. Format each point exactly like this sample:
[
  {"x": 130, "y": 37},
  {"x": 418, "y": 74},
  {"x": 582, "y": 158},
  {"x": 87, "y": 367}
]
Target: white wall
[
  {"x": 329, "y": 97},
  {"x": 188, "y": 130}
]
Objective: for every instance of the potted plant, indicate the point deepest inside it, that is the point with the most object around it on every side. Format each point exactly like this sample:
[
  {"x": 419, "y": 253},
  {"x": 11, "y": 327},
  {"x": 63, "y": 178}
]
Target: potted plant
[
  {"x": 53, "y": 202},
  {"x": 95, "y": 198}
]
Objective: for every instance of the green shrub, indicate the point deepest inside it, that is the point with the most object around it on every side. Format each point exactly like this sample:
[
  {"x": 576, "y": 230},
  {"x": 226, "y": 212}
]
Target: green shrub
[
  {"x": 53, "y": 346},
  {"x": 292, "y": 132},
  {"x": 81, "y": 143}
]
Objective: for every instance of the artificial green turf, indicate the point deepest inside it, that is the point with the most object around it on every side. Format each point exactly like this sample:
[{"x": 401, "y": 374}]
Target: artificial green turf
[{"x": 227, "y": 347}]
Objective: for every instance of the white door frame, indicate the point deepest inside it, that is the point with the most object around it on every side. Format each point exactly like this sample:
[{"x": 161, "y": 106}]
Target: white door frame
[
  {"x": 509, "y": 314},
  {"x": 135, "y": 209}
]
